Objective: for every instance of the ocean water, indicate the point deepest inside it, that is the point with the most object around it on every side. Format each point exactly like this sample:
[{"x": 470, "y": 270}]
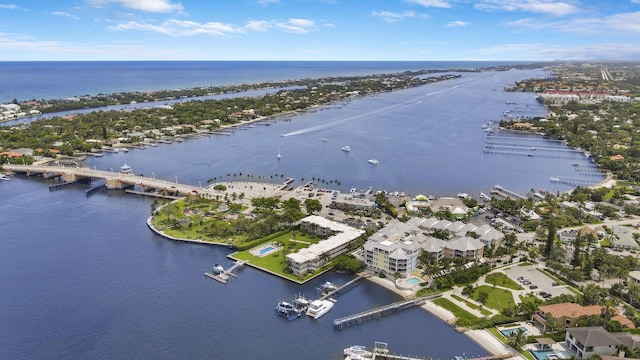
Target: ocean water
[
  {"x": 58, "y": 80},
  {"x": 83, "y": 277}
]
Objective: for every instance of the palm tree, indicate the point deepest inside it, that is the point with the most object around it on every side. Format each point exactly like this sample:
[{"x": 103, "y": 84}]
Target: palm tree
[{"x": 516, "y": 339}]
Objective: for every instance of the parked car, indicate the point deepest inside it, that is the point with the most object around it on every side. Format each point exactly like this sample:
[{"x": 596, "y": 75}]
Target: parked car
[{"x": 533, "y": 287}]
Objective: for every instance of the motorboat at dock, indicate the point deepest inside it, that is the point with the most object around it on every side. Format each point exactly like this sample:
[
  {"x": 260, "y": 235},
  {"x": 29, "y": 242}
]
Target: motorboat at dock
[
  {"x": 319, "y": 308},
  {"x": 287, "y": 310}
]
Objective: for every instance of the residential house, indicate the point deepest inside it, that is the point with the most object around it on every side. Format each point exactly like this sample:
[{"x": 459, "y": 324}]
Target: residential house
[{"x": 584, "y": 342}]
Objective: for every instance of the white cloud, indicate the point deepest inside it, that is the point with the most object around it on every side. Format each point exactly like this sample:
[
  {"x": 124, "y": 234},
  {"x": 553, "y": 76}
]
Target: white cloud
[
  {"x": 535, "y": 6},
  {"x": 391, "y": 17},
  {"x": 268, "y": 2},
  {"x": 154, "y": 6},
  {"x": 18, "y": 44},
  {"x": 181, "y": 28},
  {"x": 458, "y": 23},
  {"x": 257, "y": 25},
  {"x": 296, "y": 26},
  {"x": 177, "y": 28},
  {"x": 546, "y": 51},
  {"x": 60, "y": 13},
  {"x": 621, "y": 24},
  {"x": 431, "y": 3},
  {"x": 8, "y": 6}
]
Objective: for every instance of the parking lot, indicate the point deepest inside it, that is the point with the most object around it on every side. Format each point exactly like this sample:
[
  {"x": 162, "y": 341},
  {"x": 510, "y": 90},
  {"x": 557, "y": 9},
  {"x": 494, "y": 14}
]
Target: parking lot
[{"x": 528, "y": 276}]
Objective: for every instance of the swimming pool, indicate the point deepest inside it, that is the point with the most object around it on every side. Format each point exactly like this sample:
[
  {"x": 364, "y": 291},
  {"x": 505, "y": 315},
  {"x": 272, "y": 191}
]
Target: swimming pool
[
  {"x": 413, "y": 281},
  {"x": 550, "y": 354},
  {"x": 509, "y": 332},
  {"x": 266, "y": 250}
]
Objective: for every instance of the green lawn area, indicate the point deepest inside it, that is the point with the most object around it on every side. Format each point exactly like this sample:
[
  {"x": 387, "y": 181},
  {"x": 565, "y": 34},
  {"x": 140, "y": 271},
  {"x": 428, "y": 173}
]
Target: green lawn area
[
  {"x": 498, "y": 298},
  {"x": 457, "y": 311},
  {"x": 291, "y": 241},
  {"x": 471, "y": 305},
  {"x": 501, "y": 279}
]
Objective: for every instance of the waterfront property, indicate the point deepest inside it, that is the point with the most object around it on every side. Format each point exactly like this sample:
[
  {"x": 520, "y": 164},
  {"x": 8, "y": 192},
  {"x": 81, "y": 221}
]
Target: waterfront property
[
  {"x": 315, "y": 256},
  {"x": 569, "y": 314},
  {"x": 395, "y": 248},
  {"x": 584, "y": 342}
]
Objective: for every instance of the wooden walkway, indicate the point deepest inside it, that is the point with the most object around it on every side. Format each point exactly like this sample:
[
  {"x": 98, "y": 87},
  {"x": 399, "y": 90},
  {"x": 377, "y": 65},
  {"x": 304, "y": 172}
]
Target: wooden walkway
[
  {"x": 377, "y": 313},
  {"x": 344, "y": 288},
  {"x": 223, "y": 277}
]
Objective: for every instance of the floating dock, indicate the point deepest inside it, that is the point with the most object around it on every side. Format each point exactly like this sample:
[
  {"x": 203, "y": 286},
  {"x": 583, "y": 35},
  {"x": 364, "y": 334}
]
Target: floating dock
[{"x": 223, "y": 277}]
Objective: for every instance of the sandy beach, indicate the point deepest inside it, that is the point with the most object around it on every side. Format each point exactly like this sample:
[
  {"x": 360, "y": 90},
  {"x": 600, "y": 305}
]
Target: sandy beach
[{"x": 483, "y": 337}]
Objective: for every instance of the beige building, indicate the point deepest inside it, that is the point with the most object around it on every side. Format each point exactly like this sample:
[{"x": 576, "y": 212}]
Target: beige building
[{"x": 338, "y": 236}]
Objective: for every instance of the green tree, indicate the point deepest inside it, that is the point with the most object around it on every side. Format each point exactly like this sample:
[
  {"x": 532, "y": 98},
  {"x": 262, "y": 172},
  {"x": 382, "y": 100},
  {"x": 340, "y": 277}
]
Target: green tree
[{"x": 551, "y": 236}]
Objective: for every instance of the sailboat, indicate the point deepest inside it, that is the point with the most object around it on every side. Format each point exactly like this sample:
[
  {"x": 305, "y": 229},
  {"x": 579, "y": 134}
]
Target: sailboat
[{"x": 279, "y": 156}]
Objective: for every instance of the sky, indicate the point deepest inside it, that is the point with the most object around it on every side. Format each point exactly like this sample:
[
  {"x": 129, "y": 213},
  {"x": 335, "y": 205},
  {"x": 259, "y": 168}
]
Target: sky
[{"x": 351, "y": 30}]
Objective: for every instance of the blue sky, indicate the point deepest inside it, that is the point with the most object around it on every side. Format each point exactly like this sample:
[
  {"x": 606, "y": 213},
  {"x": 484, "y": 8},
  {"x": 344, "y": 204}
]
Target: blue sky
[{"x": 426, "y": 30}]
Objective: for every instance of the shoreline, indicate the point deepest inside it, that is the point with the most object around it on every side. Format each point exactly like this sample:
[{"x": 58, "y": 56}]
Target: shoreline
[{"x": 484, "y": 338}]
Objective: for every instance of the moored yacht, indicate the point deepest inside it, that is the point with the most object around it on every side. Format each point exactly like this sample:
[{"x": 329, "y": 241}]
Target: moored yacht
[
  {"x": 287, "y": 310},
  {"x": 125, "y": 169},
  {"x": 319, "y": 308}
]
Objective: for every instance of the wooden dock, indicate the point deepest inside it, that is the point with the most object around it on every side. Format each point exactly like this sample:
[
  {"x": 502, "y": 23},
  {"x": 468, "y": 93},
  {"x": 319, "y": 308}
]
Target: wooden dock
[
  {"x": 223, "y": 277},
  {"x": 377, "y": 313},
  {"x": 344, "y": 288}
]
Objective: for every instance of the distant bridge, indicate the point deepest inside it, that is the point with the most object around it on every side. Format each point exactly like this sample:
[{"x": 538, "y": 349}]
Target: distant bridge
[{"x": 113, "y": 180}]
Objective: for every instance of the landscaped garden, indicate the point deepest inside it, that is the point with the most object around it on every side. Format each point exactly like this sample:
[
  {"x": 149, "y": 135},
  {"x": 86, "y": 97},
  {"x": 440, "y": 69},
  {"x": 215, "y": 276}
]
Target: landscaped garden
[{"x": 284, "y": 243}]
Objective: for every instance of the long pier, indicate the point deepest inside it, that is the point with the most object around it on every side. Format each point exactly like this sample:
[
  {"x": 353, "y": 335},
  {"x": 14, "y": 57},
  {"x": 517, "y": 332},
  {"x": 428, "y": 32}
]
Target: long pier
[
  {"x": 506, "y": 193},
  {"x": 377, "y": 313}
]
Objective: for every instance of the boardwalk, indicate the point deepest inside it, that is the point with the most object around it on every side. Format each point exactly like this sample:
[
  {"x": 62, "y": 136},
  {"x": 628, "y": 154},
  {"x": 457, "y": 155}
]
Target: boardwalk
[{"x": 377, "y": 313}]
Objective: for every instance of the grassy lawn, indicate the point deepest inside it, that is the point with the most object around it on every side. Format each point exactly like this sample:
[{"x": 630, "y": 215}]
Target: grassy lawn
[
  {"x": 291, "y": 242},
  {"x": 498, "y": 298},
  {"x": 457, "y": 311},
  {"x": 471, "y": 305},
  {"x": 501, "y": 279}
]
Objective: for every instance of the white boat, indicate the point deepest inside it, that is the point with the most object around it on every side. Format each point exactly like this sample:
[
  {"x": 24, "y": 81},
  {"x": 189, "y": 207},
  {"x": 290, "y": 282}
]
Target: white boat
[
  {"x": 484, "y": 196},
  {"x": 373, "y": 161},
  {"x": 328, "y": 287},
  {"x": 324, "y": 139},
  {"x": 287, "y": 310},
  {"x": 125, "y": 169},
  {"x": 301, "y": 302},
  {"x": 319, "y": 308},
  {"x": 463, "y": 195},
  {"x": 218, "y": 269},
  {"x": 346, "y": 148},
  {"x": 554, "y": 179},
  {"x": 279, "y": 156},
  {"x": 356, "y": 352},
  {"x": 4, "y": 177}
]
